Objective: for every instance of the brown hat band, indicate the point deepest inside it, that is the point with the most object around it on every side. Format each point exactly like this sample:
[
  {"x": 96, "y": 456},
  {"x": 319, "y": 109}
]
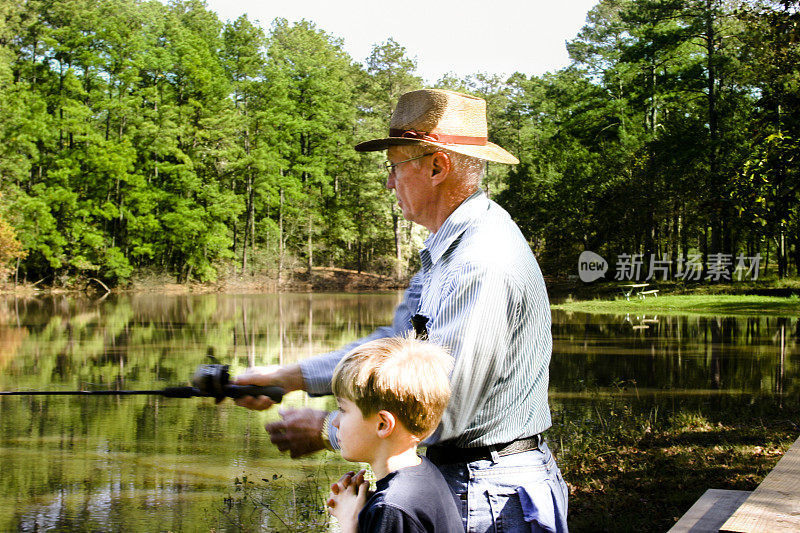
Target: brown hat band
[{"x": 438, "y": 138}]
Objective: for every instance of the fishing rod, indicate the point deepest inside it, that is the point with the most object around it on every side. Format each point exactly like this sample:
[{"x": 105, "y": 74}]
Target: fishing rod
[{"x": 208, "y": 381}]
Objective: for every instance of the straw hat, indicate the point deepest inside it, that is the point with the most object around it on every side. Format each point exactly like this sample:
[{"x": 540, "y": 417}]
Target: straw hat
[{"x": 444, "y": 119}]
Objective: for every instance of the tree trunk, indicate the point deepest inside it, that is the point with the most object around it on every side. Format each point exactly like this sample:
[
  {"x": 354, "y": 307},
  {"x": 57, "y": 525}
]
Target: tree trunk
[
  {"x": 280, "y": 238},
  {"x": 252, "y": 221},
  {"x": 398, "y": 264},
  {"x": 781, "y": 252},
  {"x": 713, "y": 132},
  {"x": 234, "y": 227},
  {"x": 310, "y": 264},
  {"x": 248, "y": 221},
  {"x": 674, "y": 241},
  {"x": 704, "y": 248}
]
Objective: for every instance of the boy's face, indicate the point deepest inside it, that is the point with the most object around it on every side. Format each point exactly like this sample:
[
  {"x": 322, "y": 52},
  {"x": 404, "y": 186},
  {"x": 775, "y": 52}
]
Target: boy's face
[{"x": 357, "y": 435}]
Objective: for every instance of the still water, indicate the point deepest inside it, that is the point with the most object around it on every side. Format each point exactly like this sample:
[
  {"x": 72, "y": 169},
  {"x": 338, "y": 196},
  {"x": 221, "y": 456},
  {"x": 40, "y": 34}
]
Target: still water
[{"x": 146, "y": 463}]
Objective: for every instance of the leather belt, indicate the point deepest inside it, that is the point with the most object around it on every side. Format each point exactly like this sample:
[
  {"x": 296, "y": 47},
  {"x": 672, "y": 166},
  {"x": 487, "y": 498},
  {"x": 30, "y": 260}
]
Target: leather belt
[{"x": 446, "y": 455}]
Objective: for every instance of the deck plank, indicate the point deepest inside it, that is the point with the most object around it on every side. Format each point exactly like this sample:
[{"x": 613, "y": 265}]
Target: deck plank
[
  {"x": 775, "y": 504},
  {"x": 708, "y": 513}
]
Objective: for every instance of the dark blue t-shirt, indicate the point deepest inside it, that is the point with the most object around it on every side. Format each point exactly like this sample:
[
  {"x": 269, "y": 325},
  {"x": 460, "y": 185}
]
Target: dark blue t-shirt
[{"x": 412, "y": 499}]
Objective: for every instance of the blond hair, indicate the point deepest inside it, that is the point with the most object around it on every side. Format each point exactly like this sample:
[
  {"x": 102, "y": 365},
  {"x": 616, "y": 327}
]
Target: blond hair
[{"x": 407, "y": 377}]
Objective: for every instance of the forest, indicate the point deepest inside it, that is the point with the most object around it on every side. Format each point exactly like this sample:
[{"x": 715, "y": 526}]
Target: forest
[{"x": 143, "y": 137}]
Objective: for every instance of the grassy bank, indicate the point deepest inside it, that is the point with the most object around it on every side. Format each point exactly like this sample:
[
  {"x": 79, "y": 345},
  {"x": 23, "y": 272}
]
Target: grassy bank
[
  {"x": 638, "y": 466},
  {"x": 561, "y": 289},
  {"x": 705, "y": 304}
]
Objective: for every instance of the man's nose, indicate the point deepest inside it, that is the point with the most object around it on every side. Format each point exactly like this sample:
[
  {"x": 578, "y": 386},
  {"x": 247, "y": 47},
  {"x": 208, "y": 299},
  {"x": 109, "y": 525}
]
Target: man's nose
[{"x": 390, "y": 180}]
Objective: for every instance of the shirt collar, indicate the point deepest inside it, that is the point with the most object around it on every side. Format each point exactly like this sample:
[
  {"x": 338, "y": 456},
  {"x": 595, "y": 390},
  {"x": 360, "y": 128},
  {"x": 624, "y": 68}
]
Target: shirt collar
[{"x": 459, "y": 220}]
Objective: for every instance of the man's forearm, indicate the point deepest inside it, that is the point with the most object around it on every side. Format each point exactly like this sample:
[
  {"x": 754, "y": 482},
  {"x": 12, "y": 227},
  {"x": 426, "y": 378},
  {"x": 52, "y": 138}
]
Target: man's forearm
[{"x": 291, "y": 378}]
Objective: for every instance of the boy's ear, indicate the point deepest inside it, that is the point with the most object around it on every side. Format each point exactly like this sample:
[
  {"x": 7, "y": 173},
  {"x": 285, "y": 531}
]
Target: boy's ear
[{"x": 386, "y": 424}]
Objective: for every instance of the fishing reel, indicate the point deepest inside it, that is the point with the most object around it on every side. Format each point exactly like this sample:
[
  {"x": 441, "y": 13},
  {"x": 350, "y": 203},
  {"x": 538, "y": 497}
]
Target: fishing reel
[{"x": 214, "y": 380}]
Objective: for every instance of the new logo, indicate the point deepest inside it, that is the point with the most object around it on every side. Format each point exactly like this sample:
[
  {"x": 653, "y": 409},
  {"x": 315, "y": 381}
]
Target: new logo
[{"x": 591, "y": 266}]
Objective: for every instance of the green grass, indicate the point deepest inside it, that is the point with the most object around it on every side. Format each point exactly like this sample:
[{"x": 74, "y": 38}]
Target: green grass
[
  {"x": 638, "y": 466},
  {"x": 695, "y": 304}
]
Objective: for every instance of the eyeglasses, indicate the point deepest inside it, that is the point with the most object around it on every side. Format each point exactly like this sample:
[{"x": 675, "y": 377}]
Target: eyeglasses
[{"x": 390, "y": 166}]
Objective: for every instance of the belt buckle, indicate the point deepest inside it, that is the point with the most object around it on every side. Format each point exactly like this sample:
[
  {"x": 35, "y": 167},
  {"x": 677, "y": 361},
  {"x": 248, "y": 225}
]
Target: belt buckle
[{"x": 494, "y": 454}]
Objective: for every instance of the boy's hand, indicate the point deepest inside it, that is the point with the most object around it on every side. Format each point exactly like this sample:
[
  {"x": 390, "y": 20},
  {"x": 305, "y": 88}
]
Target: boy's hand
[
  {"x": 348, "y": 479},
  {"x": 348, "y": 496}
]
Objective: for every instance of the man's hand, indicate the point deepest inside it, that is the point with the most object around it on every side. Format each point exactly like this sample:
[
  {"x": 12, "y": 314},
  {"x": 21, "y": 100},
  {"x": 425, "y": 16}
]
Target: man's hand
[
  {"x": 289, "y": 378},
  {"x": 346, "y": 499},
  {"x": 298, "y": 431}
]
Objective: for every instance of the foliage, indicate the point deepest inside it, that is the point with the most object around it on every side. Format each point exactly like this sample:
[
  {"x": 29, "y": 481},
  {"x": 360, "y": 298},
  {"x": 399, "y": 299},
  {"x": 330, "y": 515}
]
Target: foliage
[
  {"x": 10, "y": 247},
  {"x": 277, "y": 504},
  {"x": 138, "y": 136}
]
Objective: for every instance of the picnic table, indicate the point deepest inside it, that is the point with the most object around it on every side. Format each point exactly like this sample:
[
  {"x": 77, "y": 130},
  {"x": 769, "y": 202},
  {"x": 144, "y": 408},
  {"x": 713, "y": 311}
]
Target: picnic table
[{"x": 629, "y": 288}]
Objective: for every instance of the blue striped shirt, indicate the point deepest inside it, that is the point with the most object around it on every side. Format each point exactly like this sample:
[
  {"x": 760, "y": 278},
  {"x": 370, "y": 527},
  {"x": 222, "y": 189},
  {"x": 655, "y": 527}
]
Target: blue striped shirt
[{"x": 483, "y": 293}]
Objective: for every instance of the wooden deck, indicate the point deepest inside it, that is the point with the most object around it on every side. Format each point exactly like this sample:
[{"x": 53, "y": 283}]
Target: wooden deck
[
  {"x": 775, "y": 504},
  {"x": 773, "y": 507},
  {"x": 708, "y": 513}
]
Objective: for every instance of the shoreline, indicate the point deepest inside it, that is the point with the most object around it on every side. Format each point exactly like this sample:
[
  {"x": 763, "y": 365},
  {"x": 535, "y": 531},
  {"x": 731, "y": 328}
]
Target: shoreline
[
  {"x": 563, "y": 293},
  {"x": 322, "y": 279}
]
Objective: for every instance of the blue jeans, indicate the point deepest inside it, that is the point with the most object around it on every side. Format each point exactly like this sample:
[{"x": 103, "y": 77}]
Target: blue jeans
[{"x": 518, "y": 492}]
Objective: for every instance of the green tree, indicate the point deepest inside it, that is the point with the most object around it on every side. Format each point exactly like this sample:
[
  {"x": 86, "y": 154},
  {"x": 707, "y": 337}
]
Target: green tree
[
  {"x": 315, "y": 75},
  {"x": 389, "y": 74}
]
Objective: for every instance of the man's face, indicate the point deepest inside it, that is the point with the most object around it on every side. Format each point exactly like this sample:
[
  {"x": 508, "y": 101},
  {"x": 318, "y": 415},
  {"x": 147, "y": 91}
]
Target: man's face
[
  {"x": 357, "y": 434},
  {"x": 412, "y": 185}
]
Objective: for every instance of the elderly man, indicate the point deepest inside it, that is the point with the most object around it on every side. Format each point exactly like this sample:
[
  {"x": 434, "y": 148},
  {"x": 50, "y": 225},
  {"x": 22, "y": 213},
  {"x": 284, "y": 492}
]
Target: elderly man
[{"x": 481, "y": 294}]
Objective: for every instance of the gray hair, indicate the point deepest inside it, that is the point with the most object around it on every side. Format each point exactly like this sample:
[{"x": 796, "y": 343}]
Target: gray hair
[{"x": 470, "y": 170}]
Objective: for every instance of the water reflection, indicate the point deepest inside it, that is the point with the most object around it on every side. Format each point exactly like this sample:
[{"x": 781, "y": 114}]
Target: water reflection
[
  {"x": 694, "y": 353},
  {"x": 148, "y": 463}
]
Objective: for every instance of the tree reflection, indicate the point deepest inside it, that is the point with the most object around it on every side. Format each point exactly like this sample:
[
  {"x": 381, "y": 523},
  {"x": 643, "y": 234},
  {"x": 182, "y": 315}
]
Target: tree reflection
[{"x": 738, "y": 355}]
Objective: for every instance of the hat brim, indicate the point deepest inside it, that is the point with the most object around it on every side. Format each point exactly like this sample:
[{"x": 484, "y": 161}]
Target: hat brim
[{"x": 488, "y": 151}]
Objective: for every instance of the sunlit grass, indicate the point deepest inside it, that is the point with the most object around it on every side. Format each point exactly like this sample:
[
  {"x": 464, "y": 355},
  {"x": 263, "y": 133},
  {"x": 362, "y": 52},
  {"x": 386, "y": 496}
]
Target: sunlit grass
[{"x": 703, "y": 304}]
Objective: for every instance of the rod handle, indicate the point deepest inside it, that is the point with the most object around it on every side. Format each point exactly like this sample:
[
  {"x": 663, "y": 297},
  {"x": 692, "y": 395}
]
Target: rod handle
[
  {"x": 181, "y": 392},
  {"x": 238, "y": 391}
]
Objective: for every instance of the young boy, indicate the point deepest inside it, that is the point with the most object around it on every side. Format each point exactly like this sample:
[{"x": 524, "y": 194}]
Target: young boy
[{"x": 392, "y": 393}]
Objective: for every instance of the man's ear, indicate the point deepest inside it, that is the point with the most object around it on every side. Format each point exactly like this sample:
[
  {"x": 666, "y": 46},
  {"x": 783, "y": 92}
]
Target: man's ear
[
  {"x": 440, "y": 168},
  {"x": 386, "y": 424}
]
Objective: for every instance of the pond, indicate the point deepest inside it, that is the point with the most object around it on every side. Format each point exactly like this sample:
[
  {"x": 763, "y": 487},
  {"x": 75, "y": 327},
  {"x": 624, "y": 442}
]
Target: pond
[{"x": 147, "y": 463}]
